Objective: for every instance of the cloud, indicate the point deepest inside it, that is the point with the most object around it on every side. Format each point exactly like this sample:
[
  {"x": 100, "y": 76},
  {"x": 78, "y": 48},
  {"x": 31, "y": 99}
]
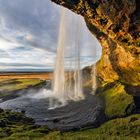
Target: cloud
[
  {"x": 32, "y": 23},
  {"x": 29, "y": 32},
  {"x": 22, "y": 65},
  {"x": 3, "y": 54}
]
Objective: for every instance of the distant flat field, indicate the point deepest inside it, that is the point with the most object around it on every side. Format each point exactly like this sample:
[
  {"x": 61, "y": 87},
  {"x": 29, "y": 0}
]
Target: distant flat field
[{"x": 17, "y": 75}]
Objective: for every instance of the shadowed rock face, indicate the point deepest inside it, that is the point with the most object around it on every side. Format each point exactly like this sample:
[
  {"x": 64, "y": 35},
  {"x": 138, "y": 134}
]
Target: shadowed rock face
[
  {"x": 116, "y": 24},
  {"x": 133, "y": 90}
]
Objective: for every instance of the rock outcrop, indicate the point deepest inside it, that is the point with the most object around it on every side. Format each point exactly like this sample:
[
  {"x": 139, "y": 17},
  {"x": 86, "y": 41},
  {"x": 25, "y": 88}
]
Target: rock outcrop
[{"x": 116, "y": 24}]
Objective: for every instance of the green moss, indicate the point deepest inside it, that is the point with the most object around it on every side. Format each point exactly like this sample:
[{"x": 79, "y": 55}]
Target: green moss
[
  {"x": 15, "y": 126},
  {"x": 118, "y": 129},
  {"x": 116, "y": 100}
]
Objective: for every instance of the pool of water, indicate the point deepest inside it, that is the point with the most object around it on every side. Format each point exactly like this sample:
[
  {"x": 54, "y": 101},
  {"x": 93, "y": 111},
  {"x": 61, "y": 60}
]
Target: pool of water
[{"x": 74, "y": 115}]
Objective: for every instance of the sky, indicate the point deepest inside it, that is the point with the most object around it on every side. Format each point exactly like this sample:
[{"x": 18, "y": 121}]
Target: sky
[{"x": 29, "y": 33}]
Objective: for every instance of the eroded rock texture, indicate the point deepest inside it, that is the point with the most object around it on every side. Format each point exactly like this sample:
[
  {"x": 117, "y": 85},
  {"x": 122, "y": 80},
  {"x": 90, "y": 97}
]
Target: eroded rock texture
[{"x": 116, "y": 24}]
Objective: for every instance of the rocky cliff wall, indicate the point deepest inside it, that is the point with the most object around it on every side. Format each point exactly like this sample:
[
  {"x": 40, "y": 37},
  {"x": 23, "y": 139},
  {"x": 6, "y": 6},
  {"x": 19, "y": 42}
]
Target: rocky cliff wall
[{"x": 116, "y": 24}]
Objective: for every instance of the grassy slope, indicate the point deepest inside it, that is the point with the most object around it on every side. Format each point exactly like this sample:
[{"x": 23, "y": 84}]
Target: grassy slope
[
  {"x": 10, "y": 85},
  {"x": 22, "y": 128},
  {"x": 116, "y": 100},
  {"x": 118, "y": 129}
]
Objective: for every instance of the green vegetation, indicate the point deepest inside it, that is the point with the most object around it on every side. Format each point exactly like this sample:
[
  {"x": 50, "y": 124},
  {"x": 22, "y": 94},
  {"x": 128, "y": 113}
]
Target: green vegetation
[
  {"x": 118, "y": 129},
  {"x": 8, "y": 86},
  {"x": 16, "y": 127},
  {"x": 116, "y": 100}
]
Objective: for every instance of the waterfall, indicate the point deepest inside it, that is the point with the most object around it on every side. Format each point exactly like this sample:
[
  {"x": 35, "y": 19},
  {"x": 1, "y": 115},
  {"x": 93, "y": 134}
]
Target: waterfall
[
  {"x": 67, "y": 84},
  {"x": 59, "y": 72},
  {"x": 78, "y": 93},
  {"x": 94, "y": 81}
]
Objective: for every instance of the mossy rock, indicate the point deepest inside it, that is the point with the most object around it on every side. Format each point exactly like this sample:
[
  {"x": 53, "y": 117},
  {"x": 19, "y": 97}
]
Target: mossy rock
[{"x": 116, "y": 100}]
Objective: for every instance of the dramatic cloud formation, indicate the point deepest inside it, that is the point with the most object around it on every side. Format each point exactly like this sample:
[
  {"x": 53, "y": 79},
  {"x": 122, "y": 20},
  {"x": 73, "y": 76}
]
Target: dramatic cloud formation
[{"x": 29, "y": 33}]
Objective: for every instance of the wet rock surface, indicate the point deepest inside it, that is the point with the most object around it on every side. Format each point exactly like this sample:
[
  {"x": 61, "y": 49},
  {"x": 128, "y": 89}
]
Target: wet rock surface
[{"x": 75, "y": 115}]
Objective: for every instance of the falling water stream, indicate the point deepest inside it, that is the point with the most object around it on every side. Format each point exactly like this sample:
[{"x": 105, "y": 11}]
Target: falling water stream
[
  {"x": 67, "y": 84},
  {"x": 94, "y": 80}
]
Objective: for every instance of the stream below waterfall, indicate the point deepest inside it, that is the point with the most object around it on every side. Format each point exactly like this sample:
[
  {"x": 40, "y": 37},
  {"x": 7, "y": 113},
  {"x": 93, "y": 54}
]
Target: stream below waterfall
[{"x": 74, "y": 115}]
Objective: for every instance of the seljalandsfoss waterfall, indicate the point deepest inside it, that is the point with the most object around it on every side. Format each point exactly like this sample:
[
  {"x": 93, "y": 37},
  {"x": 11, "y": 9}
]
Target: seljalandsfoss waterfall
[
  {"x": 67, "y": 83},
  {"x": 64, "y": 102},
  {"x": 69, "y": 69}
]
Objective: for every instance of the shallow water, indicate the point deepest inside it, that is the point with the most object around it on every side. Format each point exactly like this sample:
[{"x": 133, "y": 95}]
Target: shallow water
[{"x": 87, "y": 112}]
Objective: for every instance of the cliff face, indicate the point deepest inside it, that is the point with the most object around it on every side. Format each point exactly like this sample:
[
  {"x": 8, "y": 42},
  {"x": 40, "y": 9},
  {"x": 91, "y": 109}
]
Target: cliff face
[{"x": 116, "y": 24}]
